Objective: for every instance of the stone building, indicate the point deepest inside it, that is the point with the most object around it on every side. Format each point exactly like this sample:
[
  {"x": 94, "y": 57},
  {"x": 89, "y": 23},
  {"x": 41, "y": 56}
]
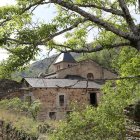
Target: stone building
[
  {"x": 70, "y": 82},
  {"x": 56, "y": 95},
  {"x": 66, "y": 67}
]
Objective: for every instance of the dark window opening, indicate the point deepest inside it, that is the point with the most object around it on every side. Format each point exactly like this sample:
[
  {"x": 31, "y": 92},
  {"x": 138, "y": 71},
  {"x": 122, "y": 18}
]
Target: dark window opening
[
  {"x": 61, "y": 100},
  {"x": 93, "y": 99},
  {"x": 52, "y": 115},
  {"x": 90, "y": 76}
]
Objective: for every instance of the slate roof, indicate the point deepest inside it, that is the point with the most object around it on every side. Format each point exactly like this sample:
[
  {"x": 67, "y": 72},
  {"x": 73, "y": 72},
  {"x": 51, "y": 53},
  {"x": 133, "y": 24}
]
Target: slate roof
[
  {"x": 65, "y": 57},
  {"x": 54, "y": 83}
]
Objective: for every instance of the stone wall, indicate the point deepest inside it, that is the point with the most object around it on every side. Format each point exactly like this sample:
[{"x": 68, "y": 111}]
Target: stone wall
[
  {"x": 62, "y": 65},
  {"x": 50, "y": 100},
  {"x": 8, "y": 132},
  {"x": 85, "y": 67}
]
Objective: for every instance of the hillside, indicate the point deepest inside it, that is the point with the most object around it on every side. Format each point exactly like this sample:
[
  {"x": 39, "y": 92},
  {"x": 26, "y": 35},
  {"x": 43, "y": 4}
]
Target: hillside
[
  {"x": 104, "y": 58},
  {"x": 38, "y": 67}
]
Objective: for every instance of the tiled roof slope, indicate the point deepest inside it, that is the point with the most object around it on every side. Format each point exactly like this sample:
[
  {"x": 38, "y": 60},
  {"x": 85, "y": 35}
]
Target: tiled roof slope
[{"x": 53, "y": 83}]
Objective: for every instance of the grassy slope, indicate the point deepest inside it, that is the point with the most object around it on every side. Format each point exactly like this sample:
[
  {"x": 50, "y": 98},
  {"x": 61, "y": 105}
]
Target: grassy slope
[{"x": 20, "y": 122}]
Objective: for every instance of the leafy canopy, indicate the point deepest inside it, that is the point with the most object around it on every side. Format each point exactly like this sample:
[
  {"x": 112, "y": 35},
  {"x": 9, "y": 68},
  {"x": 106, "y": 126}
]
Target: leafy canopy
[
  {"x": 116, "y": 26},
  {"x": 108, "y": 121},
  {"x": 78, "y": 20}
]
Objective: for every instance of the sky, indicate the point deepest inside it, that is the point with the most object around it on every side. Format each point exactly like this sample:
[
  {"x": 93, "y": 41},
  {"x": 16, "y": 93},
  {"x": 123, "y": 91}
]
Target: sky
[
  {"x": 3, "y": 53},
  {"x": 40, "y": 14}
]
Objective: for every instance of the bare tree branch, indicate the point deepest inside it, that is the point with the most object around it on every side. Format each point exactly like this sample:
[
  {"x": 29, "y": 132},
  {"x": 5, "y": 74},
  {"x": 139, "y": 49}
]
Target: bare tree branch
[
  {"x": 122, "y": 78},
  {"x": 34, "y": 4},
  {"x": 139, "y": 4},
  {"x": 44, "y": 41},
  {"x": 4, "y": 21},
  {"x": 96, "y": 20},
  {"x": 85, "y": 49},
  {"x": 65, "y": 30},
  {"x": 96, "y": 49},
  {"x": 113, "y": 11},
  {"x": 127, "y": 16},
  {"x": 69, "y": 86},
  {"x": 24, "y": 10},
  {"x": 18, "y": 41}
]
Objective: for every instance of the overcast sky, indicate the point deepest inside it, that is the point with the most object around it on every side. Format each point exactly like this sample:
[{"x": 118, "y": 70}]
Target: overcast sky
[
  {"x": 40, "y": 14},
  {"x": 43, "y": 14},
  {"x": 3, "y": 53}
]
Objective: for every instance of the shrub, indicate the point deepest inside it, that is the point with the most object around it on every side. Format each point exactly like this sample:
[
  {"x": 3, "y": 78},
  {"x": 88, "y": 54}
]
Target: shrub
[{"x": 17, "y": 105}]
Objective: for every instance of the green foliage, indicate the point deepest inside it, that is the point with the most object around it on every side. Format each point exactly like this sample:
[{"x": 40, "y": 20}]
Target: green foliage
[
  {"x": 21, "y": 123},
  {"x": 17, "y": 61},
  {"x": 76, "y": 39},
  {"x": 21, "y": 39},
  {"x": 104, "y": 58},
  {"x": 23, "y": 117},
  {"x": 128, "y": 63},
  {"x": 34, "y": 109},
  {"x": 108, "y": 121},
  {"x": 17, "y": 105},
  {"x": 36, "y": 35}
]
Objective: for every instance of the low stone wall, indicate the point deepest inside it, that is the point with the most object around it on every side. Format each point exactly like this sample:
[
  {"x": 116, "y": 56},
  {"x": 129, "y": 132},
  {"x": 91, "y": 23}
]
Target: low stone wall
[{"x": 8, "y": 132}]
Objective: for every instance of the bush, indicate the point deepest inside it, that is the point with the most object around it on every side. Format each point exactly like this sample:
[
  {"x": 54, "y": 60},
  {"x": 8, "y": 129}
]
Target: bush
[{"x": 17, "y": 105}]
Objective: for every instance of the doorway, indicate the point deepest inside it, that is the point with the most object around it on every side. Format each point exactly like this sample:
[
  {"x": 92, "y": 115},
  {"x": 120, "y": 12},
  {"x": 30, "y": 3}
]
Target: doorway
[{"x": 93, "y": 99}]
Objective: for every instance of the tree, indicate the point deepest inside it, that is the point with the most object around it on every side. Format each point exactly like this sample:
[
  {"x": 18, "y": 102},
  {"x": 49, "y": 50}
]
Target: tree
[
  {"x": 116, "y": 25},
  {"x": 117, "y": 28},
  {"x": 108, "y": 121}
]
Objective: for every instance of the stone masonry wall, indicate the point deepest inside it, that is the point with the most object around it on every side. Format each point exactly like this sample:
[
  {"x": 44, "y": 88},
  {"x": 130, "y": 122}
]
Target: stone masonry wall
[
  {"x": 83, "y": 68},
  {"x": 50, "y": 100}
]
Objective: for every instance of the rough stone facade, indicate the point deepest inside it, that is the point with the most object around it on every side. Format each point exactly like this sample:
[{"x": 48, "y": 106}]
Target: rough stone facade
[
  {"x": 63, "y": 65},
  {"x": 82, "y": 69},
  {"x": 54, "y": 91},
  {"x": 51, "y": 103},
  {"x": 56, "y": 101}
]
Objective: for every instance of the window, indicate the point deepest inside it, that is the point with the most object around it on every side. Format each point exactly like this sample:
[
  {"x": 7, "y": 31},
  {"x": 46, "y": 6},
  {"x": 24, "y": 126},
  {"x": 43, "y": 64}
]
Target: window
[
  {"x": 90, "y": 76},
  {"x": 52, "y": 115},
  {"x": 61, "y": 100}
]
